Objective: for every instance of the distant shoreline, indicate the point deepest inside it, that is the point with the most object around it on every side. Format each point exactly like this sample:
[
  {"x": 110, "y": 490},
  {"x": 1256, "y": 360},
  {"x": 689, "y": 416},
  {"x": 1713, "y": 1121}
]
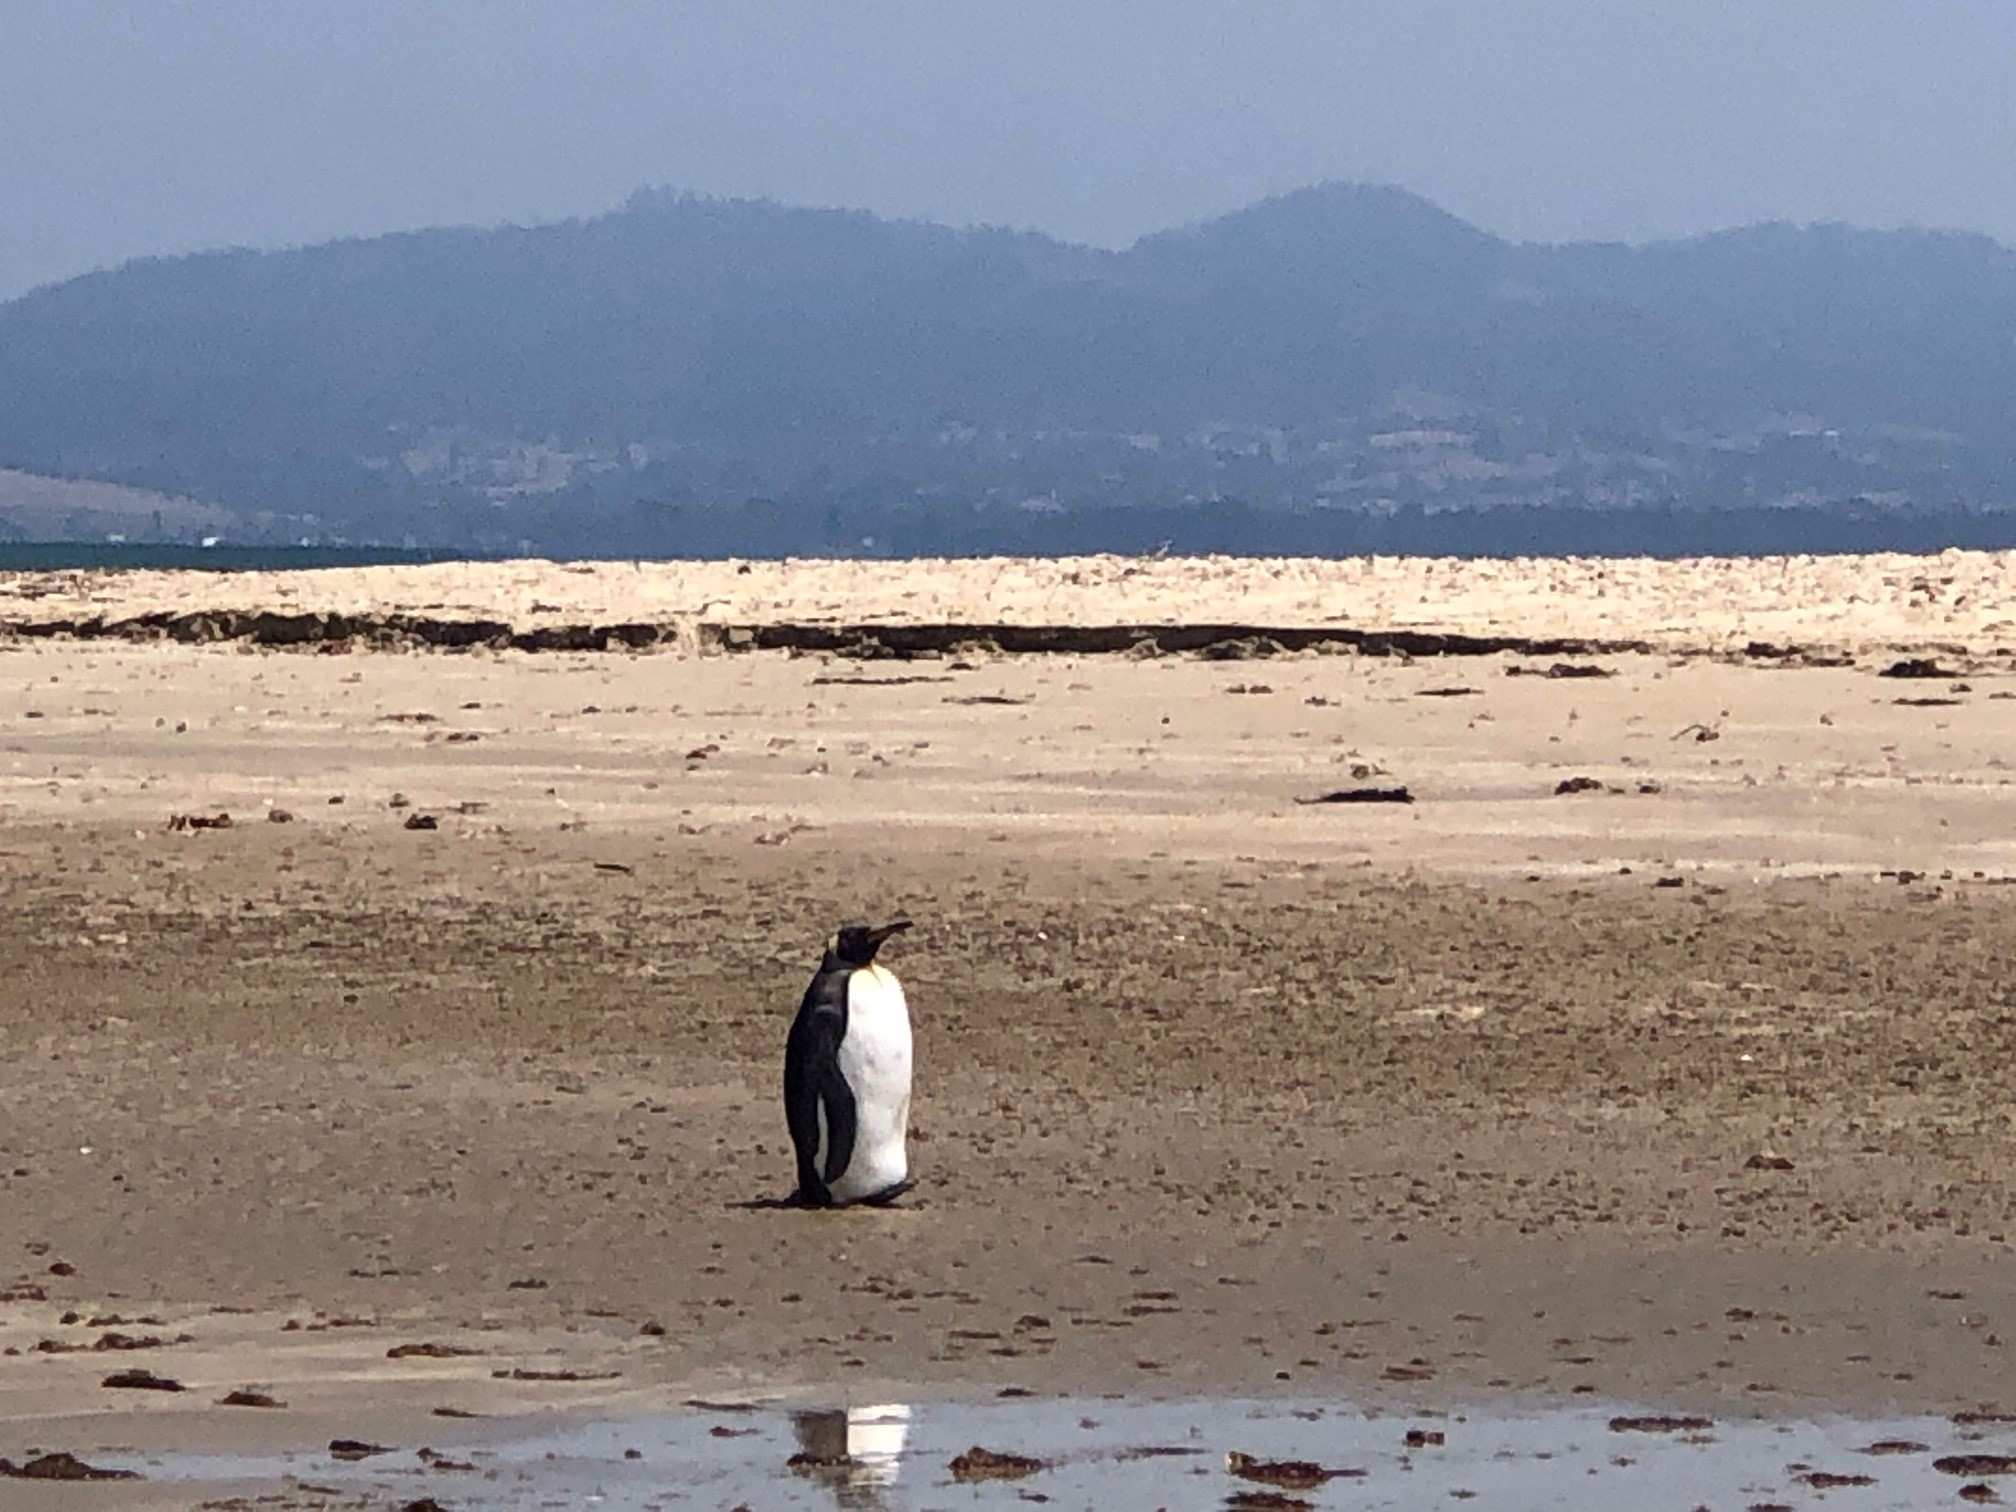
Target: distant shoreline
[
  {"x": 1449, "y": 536},
  {"x": 114, "y": 556}
]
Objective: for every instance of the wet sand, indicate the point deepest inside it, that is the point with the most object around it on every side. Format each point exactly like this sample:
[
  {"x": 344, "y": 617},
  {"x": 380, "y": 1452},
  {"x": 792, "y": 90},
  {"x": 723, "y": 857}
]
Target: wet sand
[{"x": 1689, "y": 1088}]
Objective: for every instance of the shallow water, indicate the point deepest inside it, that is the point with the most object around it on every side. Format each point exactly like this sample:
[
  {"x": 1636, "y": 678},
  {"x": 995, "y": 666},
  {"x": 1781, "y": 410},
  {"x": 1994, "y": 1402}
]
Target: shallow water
[{"x": 1111, "y": 1454}]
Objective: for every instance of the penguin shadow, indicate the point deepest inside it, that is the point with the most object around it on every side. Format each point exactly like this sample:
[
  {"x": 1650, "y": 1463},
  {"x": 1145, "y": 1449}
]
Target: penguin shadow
[{"x": 795, "y": 1202}]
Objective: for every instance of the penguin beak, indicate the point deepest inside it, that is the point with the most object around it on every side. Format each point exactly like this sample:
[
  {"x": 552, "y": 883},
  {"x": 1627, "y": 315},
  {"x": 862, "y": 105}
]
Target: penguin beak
[{"x": 877, "y": 936}]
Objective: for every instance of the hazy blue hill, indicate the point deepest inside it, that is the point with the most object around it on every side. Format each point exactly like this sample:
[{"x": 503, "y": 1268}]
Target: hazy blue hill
[
  {"x": 1865, "y": 327},
  {"x": 1340, "y": 247},
  {"x": 683, "y": 352}
]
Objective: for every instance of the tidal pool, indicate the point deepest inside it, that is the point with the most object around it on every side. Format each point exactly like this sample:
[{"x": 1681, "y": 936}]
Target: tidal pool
[{"x": 1114, "y": 1454}]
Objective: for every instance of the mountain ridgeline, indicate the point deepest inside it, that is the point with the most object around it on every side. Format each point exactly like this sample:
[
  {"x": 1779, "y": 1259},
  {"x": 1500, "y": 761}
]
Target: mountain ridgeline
[{"x": 1343, "y": 368}]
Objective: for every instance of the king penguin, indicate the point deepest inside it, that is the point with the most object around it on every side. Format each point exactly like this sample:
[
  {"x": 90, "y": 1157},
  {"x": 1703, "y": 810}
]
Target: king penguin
[{"x": 847, "y": 1076}]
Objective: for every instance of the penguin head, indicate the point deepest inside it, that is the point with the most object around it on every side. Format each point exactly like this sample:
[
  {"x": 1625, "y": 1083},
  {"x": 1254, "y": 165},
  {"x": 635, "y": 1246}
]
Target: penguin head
[{"x": 856, "y": 944}]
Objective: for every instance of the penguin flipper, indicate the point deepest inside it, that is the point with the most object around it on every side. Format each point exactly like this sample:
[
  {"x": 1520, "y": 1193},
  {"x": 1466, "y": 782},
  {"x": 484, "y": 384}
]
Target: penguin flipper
[
  {"x": 836, "y": 1102},
  {"x": 815, "y": 1093}
]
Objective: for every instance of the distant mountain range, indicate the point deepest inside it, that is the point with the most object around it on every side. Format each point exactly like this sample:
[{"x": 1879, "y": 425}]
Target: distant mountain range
[{"x": 1345, "y": 367}]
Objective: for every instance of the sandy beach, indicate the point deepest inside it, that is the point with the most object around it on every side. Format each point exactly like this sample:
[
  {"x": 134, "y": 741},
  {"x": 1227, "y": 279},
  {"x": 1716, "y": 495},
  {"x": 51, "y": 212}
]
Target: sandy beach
[{"x": 1655, "y": 1050}]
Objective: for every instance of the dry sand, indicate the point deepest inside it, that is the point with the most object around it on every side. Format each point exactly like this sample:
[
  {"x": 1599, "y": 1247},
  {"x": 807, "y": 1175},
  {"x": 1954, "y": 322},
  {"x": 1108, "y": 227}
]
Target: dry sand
[{"x": 1690, "y": 1088}]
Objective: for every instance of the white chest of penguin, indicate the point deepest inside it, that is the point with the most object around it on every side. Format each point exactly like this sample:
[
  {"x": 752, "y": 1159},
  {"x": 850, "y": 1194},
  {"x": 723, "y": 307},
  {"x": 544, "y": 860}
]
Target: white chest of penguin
[{"x": 875, "y": 1063}]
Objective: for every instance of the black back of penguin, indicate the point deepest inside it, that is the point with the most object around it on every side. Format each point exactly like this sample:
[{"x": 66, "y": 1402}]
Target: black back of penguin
[{"x": 812, "y": 1078}]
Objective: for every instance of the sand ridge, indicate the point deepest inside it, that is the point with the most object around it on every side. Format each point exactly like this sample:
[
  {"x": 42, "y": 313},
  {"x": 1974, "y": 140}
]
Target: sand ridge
[{"x": 1954, "y": 599}]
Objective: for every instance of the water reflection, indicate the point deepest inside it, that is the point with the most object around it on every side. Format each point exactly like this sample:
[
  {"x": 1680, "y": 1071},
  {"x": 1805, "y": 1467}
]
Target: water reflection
[{"x": 856, "y": 1452}]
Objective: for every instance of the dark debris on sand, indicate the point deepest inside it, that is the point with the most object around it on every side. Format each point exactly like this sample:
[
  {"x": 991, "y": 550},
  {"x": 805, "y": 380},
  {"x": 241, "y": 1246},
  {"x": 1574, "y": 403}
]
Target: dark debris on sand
[
  {"x": 181, "y": 823},
  {"x": 1561, "y": 670},
  {"x": 978, "y": 1464},
  {"x": 356, "y": 1449},
  {"x": 141, "y": 1380},
  {"x": 1661, "y": 1424},
  {"x": 1361, "y": 795},
  {"x": 1976, "y": 1464},
  {"x": 61, "y": 1467},
  {"x": 1918, "y": 667},
  {"x": 429, "y": 1351},
  {"x": 246, "y": 1398},
  {"x": 1265, "y": 1501},
  {"x": 1289, "y": 1475}
]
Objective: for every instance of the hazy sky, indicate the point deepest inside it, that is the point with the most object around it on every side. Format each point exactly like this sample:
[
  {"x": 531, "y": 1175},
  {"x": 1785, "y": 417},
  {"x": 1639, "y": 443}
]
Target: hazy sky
[{"x": 166, "y": 125}]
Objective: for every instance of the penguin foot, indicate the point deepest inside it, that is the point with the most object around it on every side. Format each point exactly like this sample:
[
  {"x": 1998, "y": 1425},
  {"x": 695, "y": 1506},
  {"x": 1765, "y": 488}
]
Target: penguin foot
[{"x": 887, "y": 1195}]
